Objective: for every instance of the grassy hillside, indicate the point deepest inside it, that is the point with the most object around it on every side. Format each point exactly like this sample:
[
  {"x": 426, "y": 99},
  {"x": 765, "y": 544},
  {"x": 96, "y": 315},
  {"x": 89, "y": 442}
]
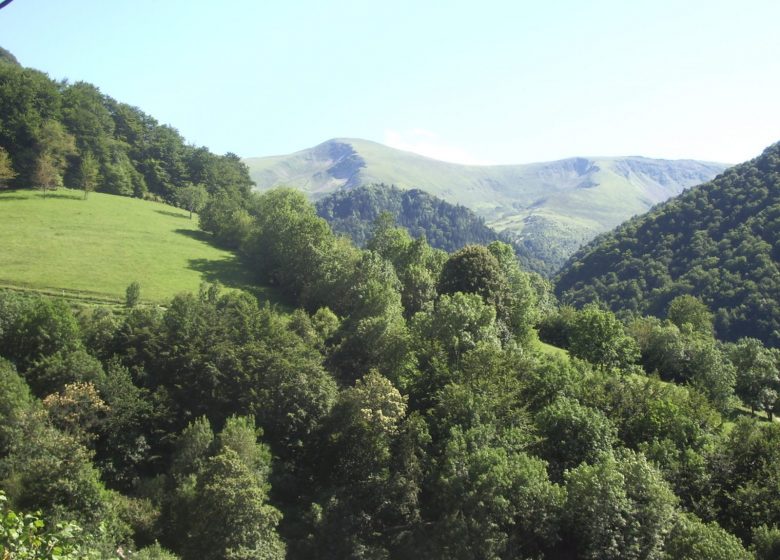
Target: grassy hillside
[
  {"x": 94, "y": 248},
  {"x": 550, "y": 207}
]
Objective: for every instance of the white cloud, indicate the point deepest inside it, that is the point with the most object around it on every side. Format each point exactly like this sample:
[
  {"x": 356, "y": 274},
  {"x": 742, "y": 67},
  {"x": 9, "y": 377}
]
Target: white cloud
[{"x": 427, "y": 143}]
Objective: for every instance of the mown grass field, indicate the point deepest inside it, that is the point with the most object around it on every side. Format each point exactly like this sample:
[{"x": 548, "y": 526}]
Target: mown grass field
[{"x": 92, "y": 249}]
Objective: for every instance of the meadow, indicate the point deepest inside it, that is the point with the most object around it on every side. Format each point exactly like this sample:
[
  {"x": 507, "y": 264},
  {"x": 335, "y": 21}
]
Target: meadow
[{"x": 92, "y": 249}]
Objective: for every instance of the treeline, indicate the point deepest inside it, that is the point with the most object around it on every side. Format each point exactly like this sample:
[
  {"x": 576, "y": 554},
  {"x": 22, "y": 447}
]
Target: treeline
[
  {"x": 54, "y": 133},
  {"x": 718, "y": 241},
  {"x": 401, "y": 411}
]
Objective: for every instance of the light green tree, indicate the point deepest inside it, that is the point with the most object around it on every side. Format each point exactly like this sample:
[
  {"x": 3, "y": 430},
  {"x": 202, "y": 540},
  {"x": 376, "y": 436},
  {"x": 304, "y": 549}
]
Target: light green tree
[
  {"x": 7, "y": 172},
  {"x": 55, "y": 144},
  {"x": 598, "y": 337},
  {"x": 689, "y": 310},
  {"x": 192, "y": 198},
  {"x": 619, "y": 508},
  {"x": 88, "y": 173}
]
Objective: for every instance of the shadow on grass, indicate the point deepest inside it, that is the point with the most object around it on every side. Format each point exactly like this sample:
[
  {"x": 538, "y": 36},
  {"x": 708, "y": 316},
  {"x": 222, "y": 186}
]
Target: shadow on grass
[
  {"x": 198, "y": 235},
  {"x": 231, "y": 273},
  {"x": 757, "y": 415},
  {"x": 8, "y": 193},
  {"x": 58, "y": 194},
  {"x": 173, "y": 214}
]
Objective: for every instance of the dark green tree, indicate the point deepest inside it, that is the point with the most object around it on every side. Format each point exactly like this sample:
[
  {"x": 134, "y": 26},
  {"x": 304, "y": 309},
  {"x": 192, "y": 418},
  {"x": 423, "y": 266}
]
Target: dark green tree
[
  {"x": 572, "y": 434},
  {"x": 474, "y": 270},
  {"x": 231, "y": 517},
  {"x": 133, "y": 294}
]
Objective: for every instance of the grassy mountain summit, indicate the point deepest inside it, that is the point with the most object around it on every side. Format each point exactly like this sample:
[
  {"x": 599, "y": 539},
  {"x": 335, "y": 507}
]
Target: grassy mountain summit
[
  {"x": 719, "y": 241},
  {"x": 551, "y": 207}
]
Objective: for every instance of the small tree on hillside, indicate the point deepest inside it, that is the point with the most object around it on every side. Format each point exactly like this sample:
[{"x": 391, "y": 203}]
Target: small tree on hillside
[
  {"x": 55, "y": 144},
  {"x": 133, "y": 294},
  {"x": 192, "y": 198},
  {"x": 7, "y": 172},
  {"x": 88, "y": 173},
  {"x": 46, "y": 175}
]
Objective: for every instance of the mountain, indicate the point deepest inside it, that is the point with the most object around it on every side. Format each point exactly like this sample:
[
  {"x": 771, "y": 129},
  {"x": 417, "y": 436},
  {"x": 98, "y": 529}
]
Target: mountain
[
  {"x": 551, "y": 208},
  {"x": 719, "y": 241},
  {"x": 445, "y": 226}
]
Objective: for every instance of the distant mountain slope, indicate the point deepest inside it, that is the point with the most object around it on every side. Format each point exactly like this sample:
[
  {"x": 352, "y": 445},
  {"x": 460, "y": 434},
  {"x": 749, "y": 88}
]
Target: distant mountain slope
[
  {"x": 445, "y": 226},
  {"x": 550, "y": 207},
  {"x": 719, "y": 241}
]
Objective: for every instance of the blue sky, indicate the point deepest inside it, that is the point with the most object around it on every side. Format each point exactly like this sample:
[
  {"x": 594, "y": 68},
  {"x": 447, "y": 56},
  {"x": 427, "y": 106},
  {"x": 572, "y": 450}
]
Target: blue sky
[{"x": 473, "y": 82}]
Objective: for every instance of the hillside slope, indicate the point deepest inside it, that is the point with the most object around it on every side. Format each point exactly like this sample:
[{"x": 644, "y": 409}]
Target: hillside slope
[
  {"x": 719, "y": 241},
  {"x": 550, "y": 207},
  {"x": 94, "y": 248},
  {"x": 445, "y": 226}
]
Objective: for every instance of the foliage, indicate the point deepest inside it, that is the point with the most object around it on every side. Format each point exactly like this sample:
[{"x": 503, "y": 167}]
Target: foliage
[
  {"x": 50, "y": 129},
  {"x": 688, "y": 313},
  {"x": 572, "y": 434},
  {"x": 403, "y": 409},
  {"x": 289, "y": 242},
  {"x": 7, "y": 172},
  {"x": 619, "y": 507},
  {"x": 716, "y": 242},
  {"x": 192, "y": 198},
  {"x": 88, "y": 173},
  {"x": 691, "y": 539},
  {"x": 598, "y": 336},
  {"x": 445, "y": 226},
  {"x": 758, "y": 374},
  {"x": 231, "y": 519},
  {"x": 26, "y": 537},
  {"x": 132, "y": 294},
  {"x": 746, "y": 478}
]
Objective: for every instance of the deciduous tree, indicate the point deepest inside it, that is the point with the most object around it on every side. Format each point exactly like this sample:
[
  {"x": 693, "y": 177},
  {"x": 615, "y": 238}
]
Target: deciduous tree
[{"x": 7, "y": 172}]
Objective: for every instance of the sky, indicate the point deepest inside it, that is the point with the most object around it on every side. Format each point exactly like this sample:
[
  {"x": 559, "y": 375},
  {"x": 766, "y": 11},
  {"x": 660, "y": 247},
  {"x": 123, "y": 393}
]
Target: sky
[{"x": 488, "y": 82}]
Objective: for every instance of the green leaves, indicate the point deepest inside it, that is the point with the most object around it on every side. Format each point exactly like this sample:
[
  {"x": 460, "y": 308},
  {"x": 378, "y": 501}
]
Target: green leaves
[{"x": 598, "y": 337}]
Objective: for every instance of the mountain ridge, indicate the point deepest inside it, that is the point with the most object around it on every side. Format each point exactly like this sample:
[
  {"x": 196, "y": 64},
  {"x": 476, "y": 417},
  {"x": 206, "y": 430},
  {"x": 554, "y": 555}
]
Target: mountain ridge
[{"x": 551, "y": 207}]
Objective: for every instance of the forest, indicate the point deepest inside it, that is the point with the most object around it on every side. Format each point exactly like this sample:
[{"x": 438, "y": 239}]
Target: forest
[
  {"x": 717, "y": 241},
  {"x": 57, "y": 133},
  {"x": 214, "y": 427},
  {"x": 446, "y": 226},
  {"x": 399, "y": 401}
]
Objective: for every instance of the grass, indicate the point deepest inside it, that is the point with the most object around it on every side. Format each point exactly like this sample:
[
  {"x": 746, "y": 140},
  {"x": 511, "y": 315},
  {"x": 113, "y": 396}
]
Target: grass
[
  {"x": 551, "y": 350},
  {"x": 91, "y": 249}
]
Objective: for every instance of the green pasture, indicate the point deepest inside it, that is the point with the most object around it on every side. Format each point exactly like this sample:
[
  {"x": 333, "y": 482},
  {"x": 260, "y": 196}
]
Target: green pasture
[{"x": 92, "y": 249}]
